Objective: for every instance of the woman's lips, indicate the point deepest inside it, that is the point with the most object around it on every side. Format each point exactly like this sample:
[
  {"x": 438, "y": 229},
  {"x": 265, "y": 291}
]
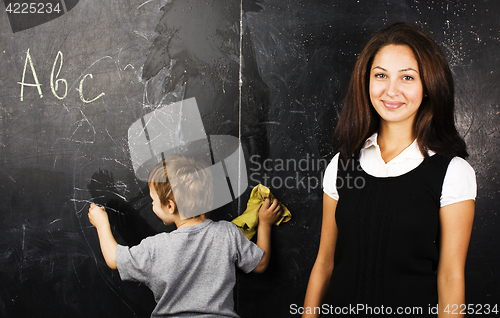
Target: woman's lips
[{"x": 392, "y": 104}]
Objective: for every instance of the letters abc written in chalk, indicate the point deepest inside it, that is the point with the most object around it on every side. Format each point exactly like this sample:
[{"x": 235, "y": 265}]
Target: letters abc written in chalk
[{"x": 58, "y": 86}]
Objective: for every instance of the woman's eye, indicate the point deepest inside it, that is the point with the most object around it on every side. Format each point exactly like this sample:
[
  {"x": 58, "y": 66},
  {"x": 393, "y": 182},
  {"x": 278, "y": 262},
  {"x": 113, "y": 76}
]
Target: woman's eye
[
  {"x": 380, "y": 75},
  {"x": 407, "y": 78}
]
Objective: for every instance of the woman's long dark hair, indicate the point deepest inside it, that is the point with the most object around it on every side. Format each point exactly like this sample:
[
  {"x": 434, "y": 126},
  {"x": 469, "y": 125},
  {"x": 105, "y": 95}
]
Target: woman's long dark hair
[{"x": 434, "y": 123}]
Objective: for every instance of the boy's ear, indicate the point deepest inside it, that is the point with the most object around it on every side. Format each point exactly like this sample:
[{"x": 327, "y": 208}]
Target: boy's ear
[{"x": 170, "y": 207}]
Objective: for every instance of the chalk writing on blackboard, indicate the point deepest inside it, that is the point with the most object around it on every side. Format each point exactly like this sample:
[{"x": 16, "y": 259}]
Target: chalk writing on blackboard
[
  {"x": 54, "y": 86},
  {"x": 37, "y": 85},
  {"x": 81, "y": 91}
]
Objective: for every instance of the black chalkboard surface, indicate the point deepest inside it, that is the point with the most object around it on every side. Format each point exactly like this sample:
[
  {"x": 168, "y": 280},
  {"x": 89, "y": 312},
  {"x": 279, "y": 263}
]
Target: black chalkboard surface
[{"x": 272, "y": 73}]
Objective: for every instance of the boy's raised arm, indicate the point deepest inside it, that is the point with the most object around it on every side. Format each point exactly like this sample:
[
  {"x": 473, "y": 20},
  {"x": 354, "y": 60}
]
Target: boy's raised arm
[
  {"x": 99, "y": 218},
  {"x": 268, "y": 215}
]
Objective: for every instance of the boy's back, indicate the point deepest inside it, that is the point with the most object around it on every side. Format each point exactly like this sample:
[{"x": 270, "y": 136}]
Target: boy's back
[{"x": 192, "y": 270}]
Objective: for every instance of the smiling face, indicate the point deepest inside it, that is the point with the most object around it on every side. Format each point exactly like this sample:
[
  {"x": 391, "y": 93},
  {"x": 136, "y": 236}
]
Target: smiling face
[{"x": 396, "y": 89}]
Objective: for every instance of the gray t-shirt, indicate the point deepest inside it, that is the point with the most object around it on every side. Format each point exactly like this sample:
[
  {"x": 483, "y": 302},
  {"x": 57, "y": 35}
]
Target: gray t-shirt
[{"x": 192, "y": 270}]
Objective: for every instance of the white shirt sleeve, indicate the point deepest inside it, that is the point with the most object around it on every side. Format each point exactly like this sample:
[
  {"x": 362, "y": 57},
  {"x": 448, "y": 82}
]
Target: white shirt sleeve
[
  {"x": 459, "y": 182},
  {"x": 330, "y": 178}
]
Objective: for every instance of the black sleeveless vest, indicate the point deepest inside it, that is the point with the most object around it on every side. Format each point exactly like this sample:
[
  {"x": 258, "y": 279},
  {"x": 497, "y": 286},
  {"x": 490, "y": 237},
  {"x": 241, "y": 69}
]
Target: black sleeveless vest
[{"x": 388, "y": 228}]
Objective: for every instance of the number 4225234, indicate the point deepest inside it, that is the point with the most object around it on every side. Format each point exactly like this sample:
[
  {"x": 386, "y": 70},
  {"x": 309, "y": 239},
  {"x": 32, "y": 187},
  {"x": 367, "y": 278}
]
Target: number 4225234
[
  {"x": 33, "y": 8},
  {"x": 476, "y": 309}
]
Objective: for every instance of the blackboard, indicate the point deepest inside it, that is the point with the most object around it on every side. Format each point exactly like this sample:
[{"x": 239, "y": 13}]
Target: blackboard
[{"x": 272, "y": 73}]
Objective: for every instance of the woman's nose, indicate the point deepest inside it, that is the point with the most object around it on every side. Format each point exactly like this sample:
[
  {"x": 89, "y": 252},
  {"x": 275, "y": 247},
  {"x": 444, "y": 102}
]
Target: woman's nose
[{"x": 393, "y": 88}]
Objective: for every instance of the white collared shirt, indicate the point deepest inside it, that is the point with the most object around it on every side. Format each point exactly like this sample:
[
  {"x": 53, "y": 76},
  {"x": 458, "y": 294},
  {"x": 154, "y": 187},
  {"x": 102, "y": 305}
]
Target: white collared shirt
[{"x": 459, "y": 182}]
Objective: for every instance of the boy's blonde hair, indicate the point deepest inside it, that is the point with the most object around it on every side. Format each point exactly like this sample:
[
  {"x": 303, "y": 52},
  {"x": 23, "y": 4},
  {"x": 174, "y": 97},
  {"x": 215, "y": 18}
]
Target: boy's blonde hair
[{"x": 185, "y": 180}]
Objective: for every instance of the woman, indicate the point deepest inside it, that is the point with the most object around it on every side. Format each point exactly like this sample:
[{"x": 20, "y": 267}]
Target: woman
[{"x": 398, "y": 196}]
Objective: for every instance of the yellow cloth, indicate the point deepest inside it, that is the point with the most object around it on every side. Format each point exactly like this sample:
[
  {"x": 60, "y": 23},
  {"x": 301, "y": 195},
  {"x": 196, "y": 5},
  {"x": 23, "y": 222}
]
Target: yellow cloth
[{"x": 249, "y": 220}]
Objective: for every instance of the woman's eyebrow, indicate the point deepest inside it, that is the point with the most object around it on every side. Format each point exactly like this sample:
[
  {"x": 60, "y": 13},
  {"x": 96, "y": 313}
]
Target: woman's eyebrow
[
  {"x": 401, "y": 70},
  {"x": 408, "y": 69}
]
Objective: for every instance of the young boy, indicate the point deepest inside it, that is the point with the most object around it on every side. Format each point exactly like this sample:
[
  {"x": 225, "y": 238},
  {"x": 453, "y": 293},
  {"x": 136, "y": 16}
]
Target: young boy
[{"x": 192, "y": 270}]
